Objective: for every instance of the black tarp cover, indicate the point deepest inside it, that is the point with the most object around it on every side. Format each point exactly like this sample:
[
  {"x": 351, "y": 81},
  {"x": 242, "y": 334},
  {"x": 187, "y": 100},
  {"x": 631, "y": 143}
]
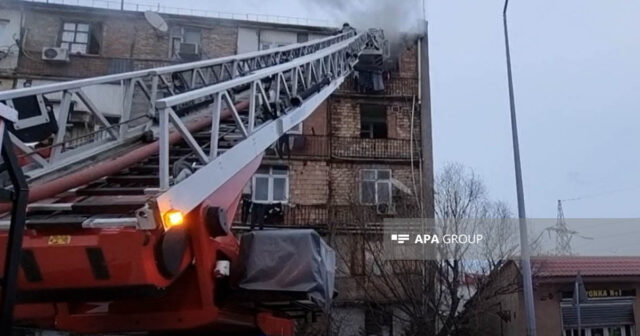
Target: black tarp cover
[{"x": 288, "y": 260}]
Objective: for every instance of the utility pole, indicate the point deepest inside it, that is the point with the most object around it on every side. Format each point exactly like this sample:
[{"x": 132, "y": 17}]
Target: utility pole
[
  {"x": 525, "y": 263},
  {"x": 426, "y": 173}
]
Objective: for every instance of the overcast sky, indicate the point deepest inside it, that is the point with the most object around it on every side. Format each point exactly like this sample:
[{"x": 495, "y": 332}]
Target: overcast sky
[{"x": 576, "y": 69}]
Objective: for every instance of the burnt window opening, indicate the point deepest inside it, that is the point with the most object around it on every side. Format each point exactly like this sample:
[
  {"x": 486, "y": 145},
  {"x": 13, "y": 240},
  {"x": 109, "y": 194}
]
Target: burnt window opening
[
  {"x": 81, "y": 37},
  {"x": 373, "y": 121}
]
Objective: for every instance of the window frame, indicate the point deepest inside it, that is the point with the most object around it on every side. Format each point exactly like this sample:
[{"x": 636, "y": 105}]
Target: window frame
[
  {"x": 270, "y": 176},
  {"x": 68, "y": 45},
  {"x": 272, "y": 45},
  {"x": 174, "y": 50},
  {"x": 297, "y": 129},
  {"x": 4, "y": 23},
  {"x": 368, "y": 133},
  {"x": 376, "y": 181}
]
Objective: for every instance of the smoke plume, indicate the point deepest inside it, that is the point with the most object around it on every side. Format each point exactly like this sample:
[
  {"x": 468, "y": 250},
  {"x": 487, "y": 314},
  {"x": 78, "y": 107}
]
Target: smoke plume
[{"x": 401, "y": 20}]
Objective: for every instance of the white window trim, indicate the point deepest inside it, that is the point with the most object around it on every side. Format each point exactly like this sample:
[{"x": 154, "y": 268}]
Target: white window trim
[
  {"x": 390, "y": 186},
  {"x": 75, "y": 32},
  {"x": 270, "y": 177},
  {"x": 297, "y": 129},
  {"x": 272, "y": 45}
]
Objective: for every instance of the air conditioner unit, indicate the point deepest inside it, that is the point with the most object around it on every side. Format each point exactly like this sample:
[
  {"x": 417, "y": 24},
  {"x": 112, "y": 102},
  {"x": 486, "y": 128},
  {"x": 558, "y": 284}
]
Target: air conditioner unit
[
  {"x": 385, "y": 209},
  {"x": 55, "y": 54},
  {"x": 189, "y": 50}
]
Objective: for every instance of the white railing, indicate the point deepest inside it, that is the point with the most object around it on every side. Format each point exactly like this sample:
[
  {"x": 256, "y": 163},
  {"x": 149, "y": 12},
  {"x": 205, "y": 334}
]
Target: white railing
[
  {"x": 286, "y": 94},
  {"x": 264, "y": 93},
  {"x": 140, "y": 7}
]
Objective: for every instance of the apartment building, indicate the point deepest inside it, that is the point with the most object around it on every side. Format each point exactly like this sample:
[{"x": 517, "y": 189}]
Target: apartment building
[{"x": 353, "y": 163}]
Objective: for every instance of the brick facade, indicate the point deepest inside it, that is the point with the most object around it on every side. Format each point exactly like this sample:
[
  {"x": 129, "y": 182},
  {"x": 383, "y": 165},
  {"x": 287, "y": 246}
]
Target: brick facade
[
  {"x": 309, "y": 182},
  {"x": 326, "y": 160},
  {"x": 325, "y": 168},
  {"x": 345, "y": 180},
  {"x": 126, "y": 41},
  {"x": 345, "y": 116}
]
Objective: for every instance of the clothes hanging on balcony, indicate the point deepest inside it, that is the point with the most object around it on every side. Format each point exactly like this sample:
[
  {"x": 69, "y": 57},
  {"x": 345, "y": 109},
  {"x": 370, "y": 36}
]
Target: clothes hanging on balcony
[{"x": 270, "y": 214}]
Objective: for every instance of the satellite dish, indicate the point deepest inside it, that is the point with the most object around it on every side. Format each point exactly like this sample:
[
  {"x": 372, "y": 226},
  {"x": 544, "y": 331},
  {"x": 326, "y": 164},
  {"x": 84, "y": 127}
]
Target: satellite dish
[{"x": 156, "y": 21}]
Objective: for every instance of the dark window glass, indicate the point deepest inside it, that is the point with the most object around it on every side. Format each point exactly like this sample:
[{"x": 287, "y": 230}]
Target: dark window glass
[
  {"x": 303, "y": 37},
  {"x": 368, "y": 192},
  {"x": 378, "y": 321},
  {"x": 373, "y": 121}
]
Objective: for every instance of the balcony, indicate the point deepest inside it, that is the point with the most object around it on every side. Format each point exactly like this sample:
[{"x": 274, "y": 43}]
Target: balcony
[
  {"x": 373, "y": 149},
  {"x": 283, "y": 215},
  {"x": 393, "y": 86},
  {"x": 299, "y": 146},
  {"x": 322, "y": 217},
  {"x": 322, "y": 147}
]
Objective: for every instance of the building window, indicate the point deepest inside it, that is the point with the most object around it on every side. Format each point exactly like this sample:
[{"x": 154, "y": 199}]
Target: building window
[
  {"x": 272, "y": 45},
  {"x": 375, "y": 186},
  {"x": 373, "y": 121},
  {"x": 297, "y": 129},
  {"x": 3, "y": 26},
  {"x": 303, "y": 37},
  {"x": 80, "y": 38},
  {"x": 185, "y": 42},
  {"x": 271, "y": 185}
]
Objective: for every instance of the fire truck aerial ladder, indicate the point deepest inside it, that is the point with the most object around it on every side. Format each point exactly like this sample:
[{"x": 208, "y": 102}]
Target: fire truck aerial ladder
[{"x": 128, "y": 226}]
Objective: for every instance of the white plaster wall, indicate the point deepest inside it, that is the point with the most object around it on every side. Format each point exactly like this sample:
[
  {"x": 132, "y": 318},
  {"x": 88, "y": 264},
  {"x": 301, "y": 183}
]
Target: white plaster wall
[
  {"x": 247, "y": 40},
  {"x": 9, "y": 33}
]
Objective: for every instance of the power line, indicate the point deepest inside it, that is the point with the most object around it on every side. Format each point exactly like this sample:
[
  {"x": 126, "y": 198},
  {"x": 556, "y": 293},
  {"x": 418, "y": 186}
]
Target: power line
[{"x": 604, "y": 193}]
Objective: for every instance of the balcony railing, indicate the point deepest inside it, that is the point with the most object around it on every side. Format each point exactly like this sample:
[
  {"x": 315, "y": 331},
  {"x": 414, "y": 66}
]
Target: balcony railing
[
  {"x": 380, "y": 149},
  {"x": 393, "y": 86},
  {"x": 282, "y": 215},
  {"x": 300, "y": 146},
  {"x": 294, "y": 146},
  {"x": 320, "y": 217}
]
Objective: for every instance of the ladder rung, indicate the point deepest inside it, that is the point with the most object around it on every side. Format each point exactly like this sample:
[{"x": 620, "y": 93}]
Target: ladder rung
[
  {"x": 111, "y": 191},
  {"x": 145, "y": 179}
]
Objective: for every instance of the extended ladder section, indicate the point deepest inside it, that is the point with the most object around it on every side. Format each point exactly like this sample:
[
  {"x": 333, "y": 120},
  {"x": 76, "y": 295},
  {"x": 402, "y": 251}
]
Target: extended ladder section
[
  {"x": 127, "y": 221},
  {"x": 178, "y": 133}
]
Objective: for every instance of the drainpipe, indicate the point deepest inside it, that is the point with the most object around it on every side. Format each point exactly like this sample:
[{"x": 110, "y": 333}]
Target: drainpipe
[{"x": 420, "y": 71}]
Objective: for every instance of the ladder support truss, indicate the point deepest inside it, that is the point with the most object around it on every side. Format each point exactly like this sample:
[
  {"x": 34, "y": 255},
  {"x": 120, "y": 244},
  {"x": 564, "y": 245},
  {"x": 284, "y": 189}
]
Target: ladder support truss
[{"x": 263, "y": 93}]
